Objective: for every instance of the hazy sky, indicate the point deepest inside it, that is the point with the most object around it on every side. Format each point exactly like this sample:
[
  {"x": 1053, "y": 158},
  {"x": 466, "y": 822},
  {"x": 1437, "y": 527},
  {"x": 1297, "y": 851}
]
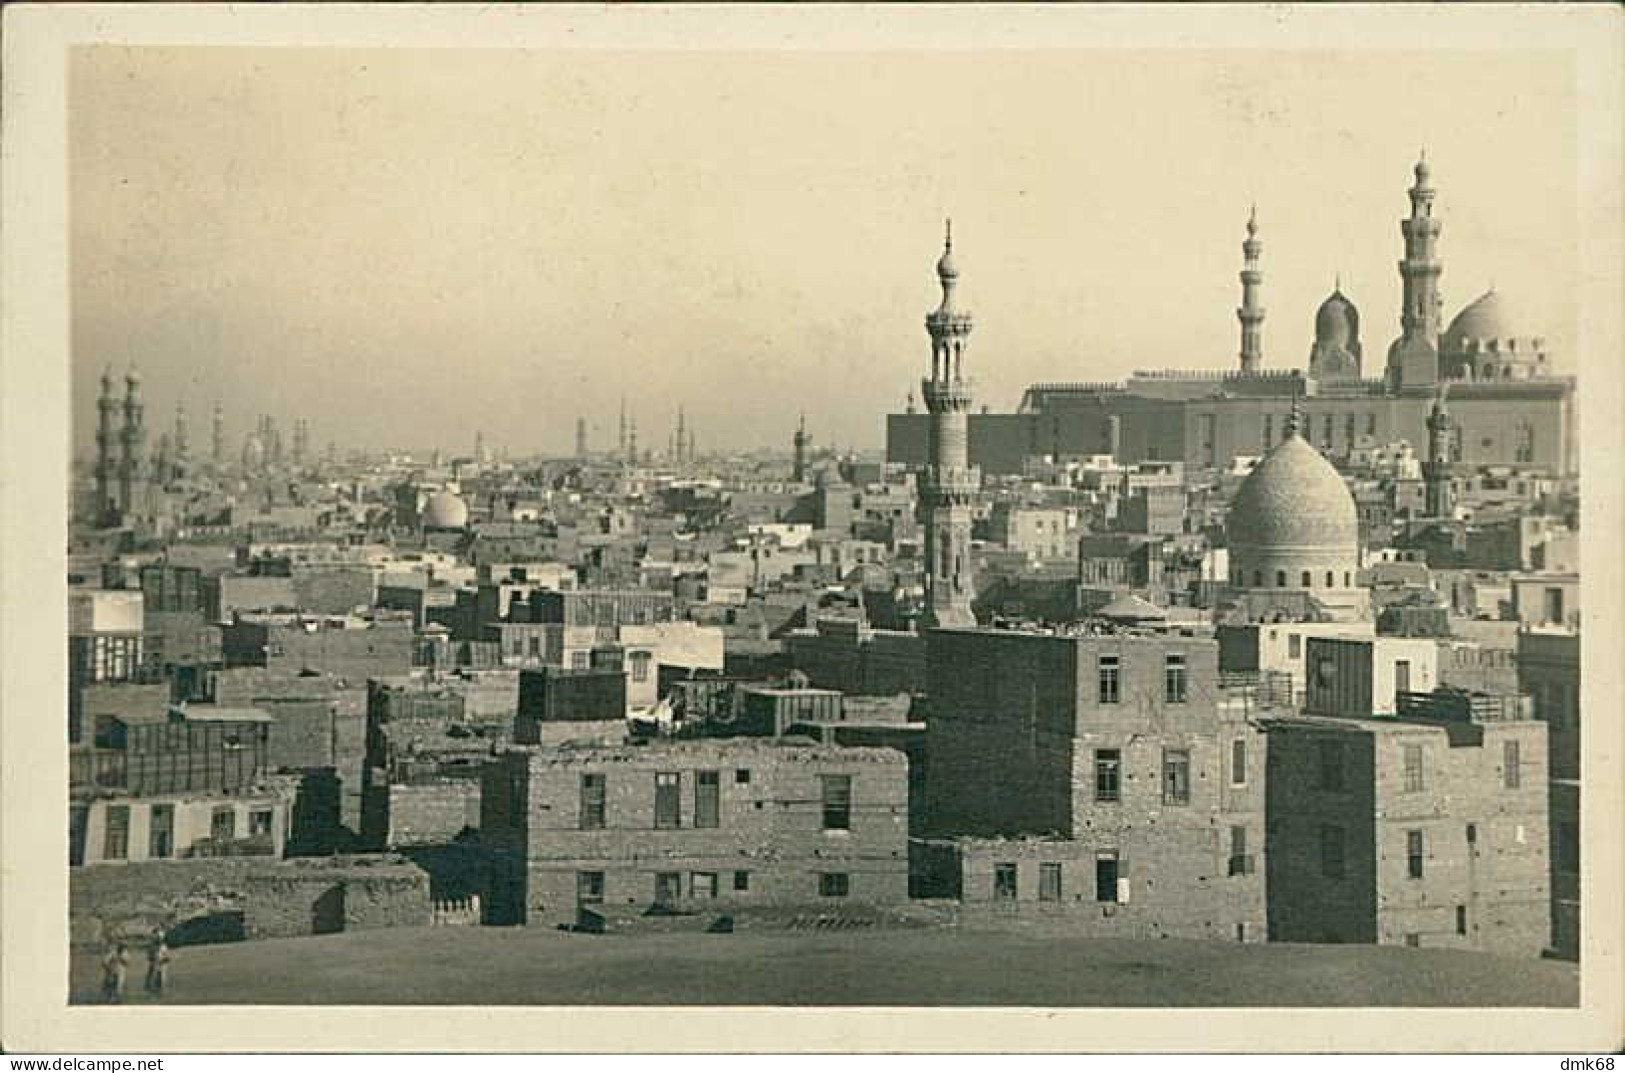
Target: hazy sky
[{"x": 407, "y": 247}]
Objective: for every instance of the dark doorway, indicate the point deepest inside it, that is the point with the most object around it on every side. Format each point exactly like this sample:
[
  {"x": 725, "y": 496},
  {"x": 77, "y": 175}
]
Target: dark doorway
[{"x": 327, "y": 914}]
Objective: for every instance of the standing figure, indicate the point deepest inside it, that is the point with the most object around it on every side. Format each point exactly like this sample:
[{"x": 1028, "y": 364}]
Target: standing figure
[
  {"x": 157, "y": 963},
  {"x": 114, "y": 965}
]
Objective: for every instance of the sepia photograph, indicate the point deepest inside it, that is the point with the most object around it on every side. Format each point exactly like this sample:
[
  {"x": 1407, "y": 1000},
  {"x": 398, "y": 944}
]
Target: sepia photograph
[{"x": 742, "y": 525}]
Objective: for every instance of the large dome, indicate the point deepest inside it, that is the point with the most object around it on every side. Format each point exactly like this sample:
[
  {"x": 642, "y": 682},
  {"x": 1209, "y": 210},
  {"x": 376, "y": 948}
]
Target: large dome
[
  {"x": 443, "y": 510},
  {"x": 1487, "y": 317},
  {"x": 1293, "y": 499},
  {"x": 1337, "y": 321}
]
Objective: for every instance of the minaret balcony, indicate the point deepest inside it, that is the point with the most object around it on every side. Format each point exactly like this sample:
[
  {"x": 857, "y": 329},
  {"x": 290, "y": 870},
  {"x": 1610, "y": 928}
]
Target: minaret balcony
[
  {"x": 947, "y": 395},
  {"x": 954, "y": 481}
]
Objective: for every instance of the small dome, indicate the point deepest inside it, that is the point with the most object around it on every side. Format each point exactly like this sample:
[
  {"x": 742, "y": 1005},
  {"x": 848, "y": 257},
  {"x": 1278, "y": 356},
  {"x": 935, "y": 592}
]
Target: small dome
[
  {"x": 1293, "y": 499},
  {"x": 1422, "y": 172},
  {"x": 1486, "y": 317},
  {"x": 445, "y": 511},
  {"x": 946, "y": 269},
  {"x": 1335, "y": 320}
]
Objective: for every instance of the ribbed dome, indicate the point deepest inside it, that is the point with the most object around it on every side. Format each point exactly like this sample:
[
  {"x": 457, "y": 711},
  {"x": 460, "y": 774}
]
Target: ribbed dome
[
  {"x": 1487, "y": 317},
  {"x": 1293, "y": 498},
  {"x": 1335, "y": 320},
  {"x": 445, "y": 511}
]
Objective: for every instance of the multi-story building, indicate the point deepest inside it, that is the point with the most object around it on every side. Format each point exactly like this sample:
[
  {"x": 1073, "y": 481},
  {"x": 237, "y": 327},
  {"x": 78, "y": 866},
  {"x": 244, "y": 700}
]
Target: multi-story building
[
  {"x": 1116, "y": 755},
  {"x": 1427, "y": 829},
  {"x": 1548, "y": 661},
  {"x": 737, "y": 823}
]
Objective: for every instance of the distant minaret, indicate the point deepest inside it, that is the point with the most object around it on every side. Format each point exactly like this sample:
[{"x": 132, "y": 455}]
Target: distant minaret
[
  {"x": 163, "y": 464},
  {"x": 133, "y": 438},
  {"x": 620, "y": 443},
  {"x": 632, "y": 440},
  {"x": 799, "y": 472},
  {"x": 908, "y": 406},
  {"x": 1438, "y": 470},
  {"x": 182, "y": 442},
  {"x": 1413, "y": 360},
  {"x": 951, "y": 485},
  {"x": 106, "y": 436},
  {"x": 581, "y": 437},
  {"x": 1251, "y": 313},
  {"x": 217, "y": 442},
  {"x": 479, "y": 446},
  {"x": 301, "y": 440},
  {"x": 682, "y": 441}
]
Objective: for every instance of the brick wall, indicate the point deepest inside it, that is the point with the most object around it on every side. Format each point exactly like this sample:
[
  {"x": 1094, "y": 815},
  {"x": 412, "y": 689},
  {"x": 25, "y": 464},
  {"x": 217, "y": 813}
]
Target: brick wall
[
  {"x": 315, "y": 897},
  {"x": 433, "y": 812}
]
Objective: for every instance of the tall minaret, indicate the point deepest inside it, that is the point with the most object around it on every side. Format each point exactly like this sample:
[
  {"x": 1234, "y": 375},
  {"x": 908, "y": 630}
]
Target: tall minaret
[
  {"x": 632, "y": 440},
  {"x": 217, "y": 443},
  {"x": 182, "y": 442},
  {"x": 1437, "y": 470},
  {"x": 799, "y": 472},
  {"x": 950, "y": 484},
  {"x": 1413, "y": 359},
  {"x": 133, "y": 438},
  {"x": 581, "y": 437},
  {"x": 620, "y": 443},
  {"x": 682, "y": 442},
  {"x": 106, "y": 436},
  {"x": 1251, "y": 313}
]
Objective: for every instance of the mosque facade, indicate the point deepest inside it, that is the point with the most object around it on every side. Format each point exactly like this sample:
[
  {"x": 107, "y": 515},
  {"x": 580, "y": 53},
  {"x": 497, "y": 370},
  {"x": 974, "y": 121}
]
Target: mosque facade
[{"x": 1507, "y": 407}]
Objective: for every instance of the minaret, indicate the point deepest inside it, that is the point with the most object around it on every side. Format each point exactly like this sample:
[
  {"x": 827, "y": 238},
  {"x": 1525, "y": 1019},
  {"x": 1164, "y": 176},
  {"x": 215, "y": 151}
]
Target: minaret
[
  {"x": 106, "y": 436},
  {"x": 301, "y": 440},
  {"x": 620, "y": 443},
  {"x": 1437, "y": 470},
  {"x": 1413, "y": 360},
  {"x": 632, "y": 440},
  {"x": 182, "y": 442},
  {"x": 681, "y": 438},
  {"x": 799, "y": 472},
  {"x": 1251, "y": 313},
  {"x": 950, "y": 484},
  {"x": 581, "y": 437},
  {"x": 133, "y": 439},
  {"x": 163, "y": 465},
  {"x": 908, "y": 405},
  {"x": 217, "y": 444}
]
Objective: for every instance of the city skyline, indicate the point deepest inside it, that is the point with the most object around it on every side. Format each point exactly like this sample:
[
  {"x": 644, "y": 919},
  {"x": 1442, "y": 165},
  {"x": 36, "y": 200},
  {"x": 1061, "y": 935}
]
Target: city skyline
[{"x": 322, "y": 275}]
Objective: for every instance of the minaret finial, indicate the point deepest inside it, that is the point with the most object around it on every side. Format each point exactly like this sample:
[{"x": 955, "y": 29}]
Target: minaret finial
[{"x": 947, "y": 234}]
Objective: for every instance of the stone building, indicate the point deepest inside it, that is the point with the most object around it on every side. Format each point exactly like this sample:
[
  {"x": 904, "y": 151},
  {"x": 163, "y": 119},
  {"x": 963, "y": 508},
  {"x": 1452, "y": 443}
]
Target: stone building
[
  {"x": 1113, "y": 763},
  {"x": 1548, "y": 661},
  {"x": 351, "y": 649},
  {"x": 734, "y": 824},
  {"x": 1427, "y": 829}
]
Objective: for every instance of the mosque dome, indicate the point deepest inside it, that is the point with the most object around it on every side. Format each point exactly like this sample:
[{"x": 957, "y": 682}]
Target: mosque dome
[
  {"x": 444, "y": 510},
  {"x": 1293, "y": 500},
  {"x": 1486, "y": 317},
  {"x": 1336, "y": 321}
]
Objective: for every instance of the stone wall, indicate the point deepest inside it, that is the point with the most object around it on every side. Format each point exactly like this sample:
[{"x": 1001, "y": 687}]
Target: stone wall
[
  {"x": 312, "y": 897},
  {"x": 432, "y": 812}
]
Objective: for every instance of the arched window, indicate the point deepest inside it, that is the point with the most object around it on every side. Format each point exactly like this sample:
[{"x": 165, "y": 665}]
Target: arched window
[
  {"x": 1331, "y": 579},
  {"x": 1307, "y": 581},
  {"x": 1258, "y": 579},
  {"x": 1348, "y": 580},
  {"x": 1280, "y": 579}
]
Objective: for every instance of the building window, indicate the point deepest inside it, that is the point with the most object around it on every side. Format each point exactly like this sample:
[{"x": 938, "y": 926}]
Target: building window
[
  {"x": 1510, "y": 765},
  {"x": 1371, "y": 424},
  {"x": 1307, "y": 579},
  {"x": 1175, "y": 680},
  {"x": 1241, "y": 862},
  {"x": 834, "y": 884},
  {"x": 1402, "y": 676},
  {"x": 1238, "y": 762},
  {"x": 741, "y": 881},
  {"x": 1294, "y": 646},
  {"x": 1004, "y": 882},
  {"x": 742, "y": 776},
  {"x": 223, "y": 824},
  {"x": 837, "y": 799},
  {"x": 1413, "y": 939},
  {"x": 259, "y": 822},
  {"x": 702, "y": 885},
  {"x": 1461, "y": 920},
  {"x": 1108, "y": 684},
  {"x": 668, "y": 888},
  {"x": 1258, "y": 579},
  {"x": 116, "y": 843},
  {"x": 161, "y": 832},
  {"x": 1331, "y": 579},
  {"x": 578, "y": 661},
  {"x": 592, "y": 802},
  {"x": 668, "y": 802},
  {"x": 590, "y": 888},
  {"x": 1176, "y": 777},
  {"x": 1280, "y": 579},
  {"x": 707, "y": 798},
  {"x": 1413, "y": 768},
  {"x": 1049, "y": 881},
  {"x": 1413, "y": 854},
  {"x": 1331, "y": 765},
  {"x": 1331, "y": 851},
  {"x": 640, "y": 666},
  {"x": 1106, "y": 877},
  {"x": 1108, "y": 774},
  {"x": 1472, "y": 834}
]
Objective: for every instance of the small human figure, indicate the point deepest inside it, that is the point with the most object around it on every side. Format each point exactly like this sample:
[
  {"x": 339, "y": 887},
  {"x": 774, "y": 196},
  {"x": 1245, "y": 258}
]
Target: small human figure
[
  {"x": 114, "y": 965},
  {"x": 157, "y": 963}
]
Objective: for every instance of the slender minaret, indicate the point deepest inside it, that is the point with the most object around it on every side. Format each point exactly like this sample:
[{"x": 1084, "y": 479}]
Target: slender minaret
[
  {"x": 620, "y": 443},
  {"x": 581, "y": 437},
  {"x": 632, "y": 439},
  {"x": 1413, "y": 360},
  {"x": 182, "y": 443},
  {"x": 799, "y": 472},
  {"x": 682, "y": 438},
  {"x": 106, "y": 436},
  {"x": 133, "y": 439},
  {"x": 1437, "y": 470},
  {"x": 1251, "y": 313},
  {"x": 217, "y": 443},
  {"x": 163, "y": 463},
  {"x": 950, "y": 484},
  {"x": 301, "y": 440}
]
